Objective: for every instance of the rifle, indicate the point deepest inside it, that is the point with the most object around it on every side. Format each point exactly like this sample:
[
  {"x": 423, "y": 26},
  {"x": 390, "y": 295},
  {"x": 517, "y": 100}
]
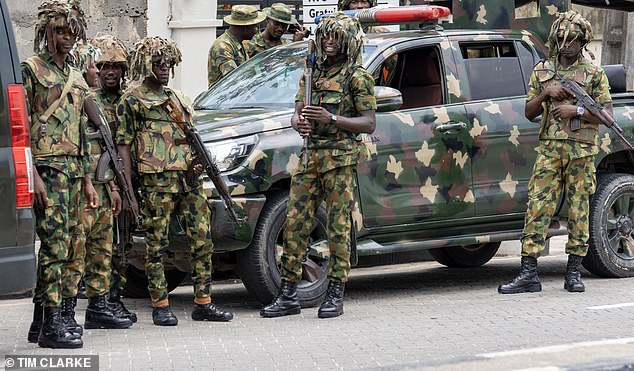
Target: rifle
[
  {"x": 583, "y": 99},
  {"x": 110, "y": 154},
  {"x": 200, "y": 151},
  {"x": 308, "y": 90}
]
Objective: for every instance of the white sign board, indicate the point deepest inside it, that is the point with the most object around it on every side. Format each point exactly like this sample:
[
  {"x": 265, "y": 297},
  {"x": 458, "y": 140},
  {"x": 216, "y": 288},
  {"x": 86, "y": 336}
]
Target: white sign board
[{"x": 314, "y": 8}]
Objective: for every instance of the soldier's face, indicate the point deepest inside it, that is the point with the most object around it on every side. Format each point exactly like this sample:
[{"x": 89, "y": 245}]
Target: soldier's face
[
  {"x": 275, "y": 28},
  {"x": 358, "y": 4},
  {"x": 110, "y": 75},
  {"x": 64, "y": 39},
  {"x": 162, "y": 71},
  {"x": 329, "y": 46},
  {"x": 570, "y": 49}
]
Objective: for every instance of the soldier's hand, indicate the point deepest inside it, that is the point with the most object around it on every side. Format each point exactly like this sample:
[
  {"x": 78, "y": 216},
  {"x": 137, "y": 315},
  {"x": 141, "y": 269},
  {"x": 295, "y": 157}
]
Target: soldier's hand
[
  {"x": 304, "y": 127},
  {"x": 564, "y": 111},
  {"x": 92, "y": 198},
  {"x": 40, "y": 199},
  {"x": 116, "y": 203},
  {"x": 557, "y": 92},
  {"x": 299, "y": 34},
  {"x": 316, "y": 114},
  {"x": 198, "y": 169}
]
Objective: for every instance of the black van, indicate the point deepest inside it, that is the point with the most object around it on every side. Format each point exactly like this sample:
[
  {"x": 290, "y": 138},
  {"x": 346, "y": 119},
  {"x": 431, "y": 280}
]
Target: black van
[{"x": 17, "y": 220}]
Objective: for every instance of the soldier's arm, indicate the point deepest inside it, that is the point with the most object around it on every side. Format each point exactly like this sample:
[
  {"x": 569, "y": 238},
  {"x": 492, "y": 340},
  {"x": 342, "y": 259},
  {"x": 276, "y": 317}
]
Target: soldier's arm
[{"x": 225, "y": 60}]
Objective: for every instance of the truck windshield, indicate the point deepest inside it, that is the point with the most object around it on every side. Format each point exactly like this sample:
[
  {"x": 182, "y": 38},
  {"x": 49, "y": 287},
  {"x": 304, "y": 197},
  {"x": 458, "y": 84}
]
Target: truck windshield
[{"x": 270, "y": 79}]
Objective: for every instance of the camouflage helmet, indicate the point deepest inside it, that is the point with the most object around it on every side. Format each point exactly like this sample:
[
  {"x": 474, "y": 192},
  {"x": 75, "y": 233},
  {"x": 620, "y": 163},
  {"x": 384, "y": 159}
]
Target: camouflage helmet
[
  {"x": 346, "y": 31},
  {"x": 149, "y": 49},
  {"x": 344, "y": 4},
  {"x": 112, "y": 49},
  {"x": 84, "y": 56},
  {"x": 56, "y": 13},
  {"x": 568, "y": 27}
]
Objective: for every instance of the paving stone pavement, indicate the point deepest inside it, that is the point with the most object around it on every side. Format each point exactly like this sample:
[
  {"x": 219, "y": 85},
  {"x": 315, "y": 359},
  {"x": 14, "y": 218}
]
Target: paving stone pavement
[{"x": 409, "y": 316}]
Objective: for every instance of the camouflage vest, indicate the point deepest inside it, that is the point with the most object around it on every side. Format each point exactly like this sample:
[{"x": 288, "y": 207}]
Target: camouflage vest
[
  {"x": 94, "y": 147},
  {"x": 331, "y": 90},
  {"x": 160, "y": 143},
  {"x": 583, "y": 72},
  {"x": 61, "y": 133}
]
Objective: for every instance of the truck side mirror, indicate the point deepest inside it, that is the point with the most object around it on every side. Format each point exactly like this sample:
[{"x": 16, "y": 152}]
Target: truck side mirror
[{"x": 387, "y": 99}]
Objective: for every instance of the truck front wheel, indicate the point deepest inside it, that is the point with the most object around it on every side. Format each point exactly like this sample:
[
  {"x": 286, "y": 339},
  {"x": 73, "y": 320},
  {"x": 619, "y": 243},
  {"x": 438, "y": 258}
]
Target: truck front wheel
[
  {"x": 465, "y": 256},
  {"x": 611, "y": 243},
  {"x": 259, "y": 264}
]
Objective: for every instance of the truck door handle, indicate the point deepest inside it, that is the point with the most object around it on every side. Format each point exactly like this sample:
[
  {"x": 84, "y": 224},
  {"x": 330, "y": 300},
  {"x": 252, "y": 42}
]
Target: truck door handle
[{"x": 451, "y": 126}]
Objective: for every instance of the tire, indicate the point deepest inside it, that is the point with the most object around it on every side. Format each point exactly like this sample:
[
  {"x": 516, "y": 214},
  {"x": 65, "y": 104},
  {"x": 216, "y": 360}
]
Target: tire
[
  {"x": 611, "y": 242},
  {"x": 136, "y": 283},
  {"x": 470, "y": 256},
  {"x": 259, "y": 264}
]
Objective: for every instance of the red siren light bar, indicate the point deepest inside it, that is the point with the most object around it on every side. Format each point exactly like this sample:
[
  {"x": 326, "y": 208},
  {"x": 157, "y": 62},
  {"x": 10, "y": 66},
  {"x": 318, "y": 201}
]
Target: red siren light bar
[{"x": 401, "y": 14}]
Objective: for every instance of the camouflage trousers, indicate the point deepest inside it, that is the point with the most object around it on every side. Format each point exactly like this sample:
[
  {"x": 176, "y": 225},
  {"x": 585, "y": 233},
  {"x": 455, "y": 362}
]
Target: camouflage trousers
[
  {"x": 92, "y": 250},
  {"x": 308, "y": 190},
  {"x": 551, "y": 176},
  {"x": 193, "y": 209},
  {"x": 53, "y": 226}
]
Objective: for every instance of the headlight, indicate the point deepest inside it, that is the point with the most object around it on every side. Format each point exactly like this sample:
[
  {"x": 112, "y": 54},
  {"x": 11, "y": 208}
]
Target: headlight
[{"x": 229, "y": 154}]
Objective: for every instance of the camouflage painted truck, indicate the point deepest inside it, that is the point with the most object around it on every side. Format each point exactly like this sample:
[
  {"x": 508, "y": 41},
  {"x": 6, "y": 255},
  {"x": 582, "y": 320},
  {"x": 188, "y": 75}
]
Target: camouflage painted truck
[{"x": 449, "y": 161}]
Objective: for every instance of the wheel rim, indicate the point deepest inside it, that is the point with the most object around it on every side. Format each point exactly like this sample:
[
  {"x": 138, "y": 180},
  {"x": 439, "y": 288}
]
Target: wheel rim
[
  {"x": 620, "y": 227},
  {"x": 315, "y": 264}
]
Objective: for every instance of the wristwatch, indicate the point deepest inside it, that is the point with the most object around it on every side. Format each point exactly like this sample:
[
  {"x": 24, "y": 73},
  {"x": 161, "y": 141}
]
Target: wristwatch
[
  {"x": 580, "y": 111},
  {"x": 333, "y": 119}
]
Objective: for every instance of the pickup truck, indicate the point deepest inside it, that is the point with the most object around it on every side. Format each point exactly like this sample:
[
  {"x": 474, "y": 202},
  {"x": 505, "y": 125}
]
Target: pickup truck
[{"x": 451, "y": 158}]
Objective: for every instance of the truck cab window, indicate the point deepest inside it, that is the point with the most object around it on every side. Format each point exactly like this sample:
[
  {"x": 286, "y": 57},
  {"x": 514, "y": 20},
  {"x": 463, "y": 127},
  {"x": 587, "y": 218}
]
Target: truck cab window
[{"x": 493, "y": 70}]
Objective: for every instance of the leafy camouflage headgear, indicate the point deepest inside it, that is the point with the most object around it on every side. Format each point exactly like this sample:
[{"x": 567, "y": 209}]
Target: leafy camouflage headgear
[
  {"x": 568, "y": 26},
  {"x": 56, "y": 13},
  {"x": 151, "y": 48},
  {"x": 112, "y": 50},
  {"x": 345, "y": 31},
  {"x": 84, "y": 56},
  {"x": 344, "y": 4}
]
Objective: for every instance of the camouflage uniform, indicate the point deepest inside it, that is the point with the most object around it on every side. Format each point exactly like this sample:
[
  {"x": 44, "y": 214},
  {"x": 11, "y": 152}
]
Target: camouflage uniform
[
  {"x": 163, "y": 157},
  {"x": 278, "y": 12},
  {"x": 257, "y": 44},
  {"x": 344, "y": 89},
  {"x": 565, "y": 160}
]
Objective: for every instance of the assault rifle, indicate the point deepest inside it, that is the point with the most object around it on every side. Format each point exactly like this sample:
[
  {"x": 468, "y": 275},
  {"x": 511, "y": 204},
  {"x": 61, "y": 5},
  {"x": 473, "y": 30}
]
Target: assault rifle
[
  {"x": 200, "y": 151},
  {"x": 110, "y": 155},
  {"x": 308, "y": 90},
  {"x": 582, "y": 98}
]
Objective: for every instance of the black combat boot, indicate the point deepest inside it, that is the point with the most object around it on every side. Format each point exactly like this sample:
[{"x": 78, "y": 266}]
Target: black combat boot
[
  {"x": 163, "y": 316},
  {"x": 119, "y": 310},
  {"x": 68, "y": 316},
  {"x": 99, "y": 315},
  {"x": 54, "y": 333},
  {"x": 36, "y": 324},
  {"x": 333, "y": 303},
  {"x": 573, "y": 281},
  {"x": 526, "y": 280},
  {"x": 285, "y": 302},
  {"x": 210, "y": 312}
]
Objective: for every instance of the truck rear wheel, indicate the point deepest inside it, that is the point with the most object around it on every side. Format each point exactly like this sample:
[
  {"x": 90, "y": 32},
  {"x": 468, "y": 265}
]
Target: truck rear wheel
[
  {"x": 136, "y": 283},
  {"x": 259, "y": 264},
  {"x": 465, "y": 256},
  {"x": 611, "y": 243}
]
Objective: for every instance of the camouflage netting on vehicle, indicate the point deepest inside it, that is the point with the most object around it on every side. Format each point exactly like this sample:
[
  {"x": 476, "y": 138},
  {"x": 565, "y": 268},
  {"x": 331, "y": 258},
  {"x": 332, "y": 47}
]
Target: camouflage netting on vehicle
[
  {"x": 344, "y": 4},
  {"x": 345, "y": 31},
  {"x": 84, "y": 56},
  {"x": 57, "y": 13},
  {"x": 112, "y": 49},
  {"x": 149, "y": 50},
  {"x": 568, "y": 27}
]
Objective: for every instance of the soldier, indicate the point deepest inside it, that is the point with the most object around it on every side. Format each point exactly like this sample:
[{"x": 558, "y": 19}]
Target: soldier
[
  {"x": 113, "y": 65},
  {"x": 92, "y": 249},
  {"x": 227, "y": 52},
  {"x": 358, "y": 5},
  {"x": 343, "y": 105},
  {"x": 145, "y": 117},
  {"x": 55, "y": 94},
  {"x": 565, "y": 158},
  {"x": 278, "y": 19}
]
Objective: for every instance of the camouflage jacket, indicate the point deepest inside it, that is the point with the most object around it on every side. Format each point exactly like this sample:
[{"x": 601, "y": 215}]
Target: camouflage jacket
[
  {"x": 225, "y": 55},
  {"x": 592, "y": 79},
  {"x": 257, "y": 44},
  {"x": 107, "y": 104},
  {"x": 59, "y": 142},
  {"x": 343, "y": 91},
  {"x": 160, "y": 145}
]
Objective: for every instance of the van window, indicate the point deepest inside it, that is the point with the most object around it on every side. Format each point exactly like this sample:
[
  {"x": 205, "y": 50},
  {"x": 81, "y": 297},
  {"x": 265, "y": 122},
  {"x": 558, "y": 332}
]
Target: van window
[{"x": 493, "y": 70}]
